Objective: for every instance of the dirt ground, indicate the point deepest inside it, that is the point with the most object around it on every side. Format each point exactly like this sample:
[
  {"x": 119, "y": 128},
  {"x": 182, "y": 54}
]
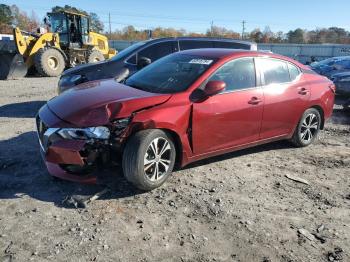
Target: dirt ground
[{"x": 236, "y": 207}]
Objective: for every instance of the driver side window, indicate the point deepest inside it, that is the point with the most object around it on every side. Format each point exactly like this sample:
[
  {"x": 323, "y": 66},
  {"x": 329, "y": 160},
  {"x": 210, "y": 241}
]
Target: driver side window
[
  {"x": 237, "y": 74},
  {"x": 156, "y": 51}
]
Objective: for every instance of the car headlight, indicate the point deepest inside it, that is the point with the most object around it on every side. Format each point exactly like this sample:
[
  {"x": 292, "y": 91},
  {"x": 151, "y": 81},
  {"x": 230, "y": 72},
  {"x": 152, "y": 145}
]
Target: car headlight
[{"x": 100, "y": 132}]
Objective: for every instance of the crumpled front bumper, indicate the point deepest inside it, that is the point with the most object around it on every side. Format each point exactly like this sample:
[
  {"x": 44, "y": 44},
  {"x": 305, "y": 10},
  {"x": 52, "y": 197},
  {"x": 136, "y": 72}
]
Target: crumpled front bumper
[
  {"x": 66, "y": 153},
  {"x": 58, "y": 153}
]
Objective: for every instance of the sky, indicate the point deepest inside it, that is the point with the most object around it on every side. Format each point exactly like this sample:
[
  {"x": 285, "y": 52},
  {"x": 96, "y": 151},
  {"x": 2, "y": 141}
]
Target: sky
[{"x": 197, "y": 15}]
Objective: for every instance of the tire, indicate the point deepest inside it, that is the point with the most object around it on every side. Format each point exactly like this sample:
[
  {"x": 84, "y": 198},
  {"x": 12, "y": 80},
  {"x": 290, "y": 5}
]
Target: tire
[
  {"x": 49, "y": 62},
  {"x": 139, "y": 148},
  {"x": 308, "y": 128},
  {"x": 95, "y": 56}
]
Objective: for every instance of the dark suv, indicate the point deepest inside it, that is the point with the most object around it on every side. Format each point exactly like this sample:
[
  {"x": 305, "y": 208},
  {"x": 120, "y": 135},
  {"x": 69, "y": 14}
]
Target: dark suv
[{"x": 139, "y": 55}]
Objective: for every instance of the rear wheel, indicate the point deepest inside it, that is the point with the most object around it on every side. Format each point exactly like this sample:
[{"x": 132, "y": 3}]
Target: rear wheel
[
  {"x": 49, "y": 62},
  {"x": 308, "y": 128},
  {"x": 95, "y": 56},
  {"x": 149, "y": 159}
]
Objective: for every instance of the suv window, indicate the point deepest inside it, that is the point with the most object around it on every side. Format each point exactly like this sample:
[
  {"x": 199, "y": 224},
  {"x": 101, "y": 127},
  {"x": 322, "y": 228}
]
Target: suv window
[
  {"x": 132, "y": 60},
  {"x": 195, "y": 44},
  {"x": 294, "y": 72},
  {"x": 275, "y": 71},
  {"x": 157, "y": 51},
  {"x": 230, "y": 45},
  {"x": 237, "y": 74}
]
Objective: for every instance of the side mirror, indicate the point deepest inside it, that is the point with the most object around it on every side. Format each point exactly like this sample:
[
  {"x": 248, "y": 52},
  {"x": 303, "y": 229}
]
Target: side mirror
[
  {"x": 210, "y": 89},
  {"x": 214, "y": 87},
  {"x": 143, "y": 62}
]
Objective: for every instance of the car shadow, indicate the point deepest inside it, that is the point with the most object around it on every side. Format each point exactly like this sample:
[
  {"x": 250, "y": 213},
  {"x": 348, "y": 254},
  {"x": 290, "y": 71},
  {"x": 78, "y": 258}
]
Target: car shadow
[
  {"x": 284, "y": 144},
  {"x": 23, "y": 173},
  {"x": 21, "y": 110}
]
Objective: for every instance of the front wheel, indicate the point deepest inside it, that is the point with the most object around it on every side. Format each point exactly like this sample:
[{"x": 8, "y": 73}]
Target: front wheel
[
  {"x": 308, "y": 128},
  {"x": 49, "y": 62},
  {"x": 95, "y": 56},
  {"x": 148, "y": 159}
]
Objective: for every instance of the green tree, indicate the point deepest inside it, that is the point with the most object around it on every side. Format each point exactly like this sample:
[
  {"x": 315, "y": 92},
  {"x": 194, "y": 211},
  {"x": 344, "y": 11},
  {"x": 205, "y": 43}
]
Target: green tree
[
  {"x": 6, "y": 19},
  {"x": 5, "y": 15},
  {"x": 95, "y": 23},
  {"x": 296, "y": 36}
]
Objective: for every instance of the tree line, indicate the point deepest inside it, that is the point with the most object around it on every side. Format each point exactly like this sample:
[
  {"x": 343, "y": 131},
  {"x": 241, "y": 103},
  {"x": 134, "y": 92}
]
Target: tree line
[{"x": 12, "y": 16}]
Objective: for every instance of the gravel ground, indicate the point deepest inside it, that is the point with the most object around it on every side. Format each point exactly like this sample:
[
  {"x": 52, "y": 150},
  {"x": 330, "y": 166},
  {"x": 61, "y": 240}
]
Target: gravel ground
[{"x": 236, "y": 207}]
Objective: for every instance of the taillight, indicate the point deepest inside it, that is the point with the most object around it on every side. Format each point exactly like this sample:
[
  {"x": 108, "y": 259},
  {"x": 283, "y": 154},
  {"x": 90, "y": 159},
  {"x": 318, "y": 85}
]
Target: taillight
[{"x": 332, "y": 87}]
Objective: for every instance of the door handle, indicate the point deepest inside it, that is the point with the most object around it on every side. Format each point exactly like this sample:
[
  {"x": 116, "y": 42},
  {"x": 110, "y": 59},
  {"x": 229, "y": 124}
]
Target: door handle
[
  {"x": 254, "y": 101},
  {"x": 303, "y": 91}
]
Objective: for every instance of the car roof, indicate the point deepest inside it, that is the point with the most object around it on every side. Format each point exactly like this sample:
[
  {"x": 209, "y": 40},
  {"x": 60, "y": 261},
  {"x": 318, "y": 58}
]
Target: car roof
[
  {"x": 220, "y": 39},
  {"x": 220, "y": 53}
]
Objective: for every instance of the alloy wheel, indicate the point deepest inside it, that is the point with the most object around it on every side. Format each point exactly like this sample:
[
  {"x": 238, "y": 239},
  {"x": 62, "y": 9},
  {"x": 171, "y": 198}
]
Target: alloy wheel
[
  {"x": 309, "y": 128},
  {"x": 157, "y": 159}
]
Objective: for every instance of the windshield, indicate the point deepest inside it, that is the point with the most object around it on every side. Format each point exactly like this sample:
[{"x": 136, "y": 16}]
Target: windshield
[
  {"x": 58, "y": 23},
  {"x": 128, "y": 51},
  {"x": 170, "y": 74}
]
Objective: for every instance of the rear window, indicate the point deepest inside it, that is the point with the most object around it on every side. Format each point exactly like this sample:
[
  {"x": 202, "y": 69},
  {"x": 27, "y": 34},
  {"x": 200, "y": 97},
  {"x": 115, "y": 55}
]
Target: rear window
[
  {"x": 275, "y": 71},
  {"x": 293, "y": 72}
]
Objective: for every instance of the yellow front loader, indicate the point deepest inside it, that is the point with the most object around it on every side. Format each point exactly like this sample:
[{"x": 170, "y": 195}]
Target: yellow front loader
[{"x": 69, "y": 43}]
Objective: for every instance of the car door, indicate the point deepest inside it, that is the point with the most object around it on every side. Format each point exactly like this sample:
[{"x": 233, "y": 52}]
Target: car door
[
  {"x": 286, "y": 96},
  {"x": 232, "y": 117}
]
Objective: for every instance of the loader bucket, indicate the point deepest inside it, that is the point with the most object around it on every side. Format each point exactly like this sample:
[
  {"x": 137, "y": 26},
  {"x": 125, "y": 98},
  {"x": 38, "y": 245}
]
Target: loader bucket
[{"x": 12, "y": 66}]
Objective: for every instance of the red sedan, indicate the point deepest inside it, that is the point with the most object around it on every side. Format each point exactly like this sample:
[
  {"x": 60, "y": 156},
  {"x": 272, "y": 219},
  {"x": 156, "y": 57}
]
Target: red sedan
[{"x": 184, "y": 107}]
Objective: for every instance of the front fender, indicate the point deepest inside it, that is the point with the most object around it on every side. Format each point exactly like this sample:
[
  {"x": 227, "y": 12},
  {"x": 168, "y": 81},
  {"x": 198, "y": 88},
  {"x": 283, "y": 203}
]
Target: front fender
[{"x": 175, "y": 119}]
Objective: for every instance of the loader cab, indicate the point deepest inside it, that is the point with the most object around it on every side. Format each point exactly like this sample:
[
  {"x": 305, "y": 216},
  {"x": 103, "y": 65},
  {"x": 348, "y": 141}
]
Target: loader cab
[{"x": 72, "y": 28}]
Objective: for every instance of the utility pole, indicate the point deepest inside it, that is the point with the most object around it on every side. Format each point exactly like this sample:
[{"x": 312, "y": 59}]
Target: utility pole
[
  {"x": 110, "y": 27},
  {"x": 211, "y": 27},
  {"x": 243, "y": 28}
]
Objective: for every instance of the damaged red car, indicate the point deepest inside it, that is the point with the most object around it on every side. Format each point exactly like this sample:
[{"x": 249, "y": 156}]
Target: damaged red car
[{"x": 184, "y": 107}]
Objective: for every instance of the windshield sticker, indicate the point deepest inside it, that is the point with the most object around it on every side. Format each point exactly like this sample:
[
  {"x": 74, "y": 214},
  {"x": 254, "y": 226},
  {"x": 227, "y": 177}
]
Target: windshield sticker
[{"x": 201, "y": 61}]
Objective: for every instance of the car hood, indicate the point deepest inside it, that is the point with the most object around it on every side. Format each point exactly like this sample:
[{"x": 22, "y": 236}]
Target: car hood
[
  {"x": 96, "y": 103},
  {"x": 95, "y": 71}
]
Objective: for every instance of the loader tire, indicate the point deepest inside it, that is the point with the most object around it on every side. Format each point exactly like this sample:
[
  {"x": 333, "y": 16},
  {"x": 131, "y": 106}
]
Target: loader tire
[
  {"x": 95, "y": 56},
  {"x": 49, "y": 62}
]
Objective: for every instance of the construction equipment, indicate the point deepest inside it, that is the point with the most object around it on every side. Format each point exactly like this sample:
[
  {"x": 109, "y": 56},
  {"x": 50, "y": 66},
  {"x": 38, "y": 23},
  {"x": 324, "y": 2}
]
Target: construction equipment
[{"x": 70, "y": 42}]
